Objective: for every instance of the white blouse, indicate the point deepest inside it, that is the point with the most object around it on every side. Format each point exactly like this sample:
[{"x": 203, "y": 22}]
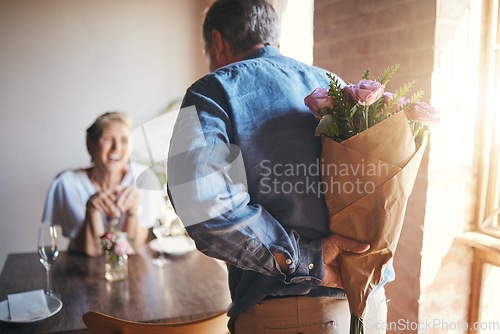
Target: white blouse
[{"x": 66, "y": 202}]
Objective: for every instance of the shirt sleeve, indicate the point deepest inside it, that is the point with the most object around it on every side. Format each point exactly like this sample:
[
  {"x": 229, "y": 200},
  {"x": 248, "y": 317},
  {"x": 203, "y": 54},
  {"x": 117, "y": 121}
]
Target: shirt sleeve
[
  {"x": 64, "y": 205},
  {"x": 207, "y": 186}
]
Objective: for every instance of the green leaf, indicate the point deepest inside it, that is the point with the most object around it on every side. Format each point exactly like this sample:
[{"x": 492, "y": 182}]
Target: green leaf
[
  {"x": 416, "y": 96},
  {"x": 357, "y": 326},
  {"x": 341, "y": 125},
  {"x": 354, "y": 110},
  {"x": 324, "y": 111},
  {"x": 339, "y": 100},
  {"x": 327, "y": 126},
  {"x": 402, "y": 91},
  {"x": 388, "y": 73},
  {"x": 366, "y": 75},
  {"x": 374, "y": 109}
]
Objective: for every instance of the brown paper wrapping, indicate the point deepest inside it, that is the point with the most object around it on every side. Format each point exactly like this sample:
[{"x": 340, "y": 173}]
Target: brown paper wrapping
[{"x": 368, "y": 179}]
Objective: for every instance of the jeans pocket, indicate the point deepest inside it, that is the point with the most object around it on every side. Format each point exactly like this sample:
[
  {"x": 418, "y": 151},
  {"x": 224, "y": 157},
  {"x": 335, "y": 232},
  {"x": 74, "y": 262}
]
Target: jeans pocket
[{"x": 324, "y": 327}]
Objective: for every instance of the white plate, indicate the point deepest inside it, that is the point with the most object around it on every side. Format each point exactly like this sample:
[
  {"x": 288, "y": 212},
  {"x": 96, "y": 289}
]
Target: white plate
[
  {"x": 175, "y": 245},
  {"x": 53, "y": 303}
]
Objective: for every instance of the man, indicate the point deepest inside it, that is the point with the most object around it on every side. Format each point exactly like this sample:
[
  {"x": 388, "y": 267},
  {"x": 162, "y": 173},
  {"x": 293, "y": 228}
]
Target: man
[{"x": 242, "y": 174}]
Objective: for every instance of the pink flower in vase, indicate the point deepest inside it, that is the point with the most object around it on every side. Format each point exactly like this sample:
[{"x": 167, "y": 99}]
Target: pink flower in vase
[
  {"x": 108, "y": 235},
  {"x": 122, "y": 247},
  {"x": 107, "y": 240}
]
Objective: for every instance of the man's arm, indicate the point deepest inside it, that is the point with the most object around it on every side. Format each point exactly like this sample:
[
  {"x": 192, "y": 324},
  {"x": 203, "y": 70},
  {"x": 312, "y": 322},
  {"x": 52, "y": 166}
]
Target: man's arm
[
  {"x": 212, "y": 200},
  {"x": 216, "y": 208}
]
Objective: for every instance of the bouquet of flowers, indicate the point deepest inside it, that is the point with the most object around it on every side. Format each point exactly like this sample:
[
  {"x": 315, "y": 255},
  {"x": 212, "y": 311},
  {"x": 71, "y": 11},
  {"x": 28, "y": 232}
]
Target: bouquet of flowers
[
  {"x": 115, "y": 242},
  {"x": 116, "y": 247},
  {"x": 379, "y": 139}
]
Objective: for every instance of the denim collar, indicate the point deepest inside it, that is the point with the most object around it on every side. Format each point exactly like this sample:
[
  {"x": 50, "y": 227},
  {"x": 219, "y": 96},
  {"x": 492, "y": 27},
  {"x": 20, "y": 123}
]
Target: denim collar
[{"x": 265, "y": 51}]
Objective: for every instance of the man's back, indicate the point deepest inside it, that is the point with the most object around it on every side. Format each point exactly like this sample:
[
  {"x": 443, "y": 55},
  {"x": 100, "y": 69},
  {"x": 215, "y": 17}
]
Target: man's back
[{"x": 258, "y": 105}]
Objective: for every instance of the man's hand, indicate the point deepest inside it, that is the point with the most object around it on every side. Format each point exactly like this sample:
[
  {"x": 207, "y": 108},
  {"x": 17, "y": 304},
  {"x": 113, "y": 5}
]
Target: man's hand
[{"x": 333, "y": 245}]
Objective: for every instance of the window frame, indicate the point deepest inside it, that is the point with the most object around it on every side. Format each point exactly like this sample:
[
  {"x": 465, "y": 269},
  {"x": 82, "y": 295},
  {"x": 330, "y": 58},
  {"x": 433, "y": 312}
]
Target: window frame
[
  {"x": 485, "y": 238},
  {"x": 488, "y": 206}
]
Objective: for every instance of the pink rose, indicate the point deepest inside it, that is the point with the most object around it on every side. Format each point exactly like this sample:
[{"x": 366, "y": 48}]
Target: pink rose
[
  {"x": 365, "y": 91},
  {"x": 122, "y": 247},
  {"x": 397, "y": 105},
  {"x": 107, "y": 240},
  {"x": 319, "y": 100},
  {"x": 108, "y": 235},
  {"x": 422, "y": 112}
]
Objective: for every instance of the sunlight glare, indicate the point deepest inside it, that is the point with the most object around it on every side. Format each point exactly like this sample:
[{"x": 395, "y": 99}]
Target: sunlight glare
[{"x": 297, "y": 30}]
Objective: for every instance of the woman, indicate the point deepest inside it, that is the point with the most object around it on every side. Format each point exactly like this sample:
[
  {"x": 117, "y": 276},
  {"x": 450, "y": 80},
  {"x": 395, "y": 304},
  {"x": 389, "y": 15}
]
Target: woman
[{"x": 84, "y": 201}]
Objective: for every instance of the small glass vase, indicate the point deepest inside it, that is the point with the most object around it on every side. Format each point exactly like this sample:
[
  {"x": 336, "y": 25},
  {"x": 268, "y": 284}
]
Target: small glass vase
[{"x": 116, "y": 266}]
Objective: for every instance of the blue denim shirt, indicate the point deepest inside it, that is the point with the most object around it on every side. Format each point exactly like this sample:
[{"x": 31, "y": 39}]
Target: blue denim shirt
[{"x": 243, "y": 175}]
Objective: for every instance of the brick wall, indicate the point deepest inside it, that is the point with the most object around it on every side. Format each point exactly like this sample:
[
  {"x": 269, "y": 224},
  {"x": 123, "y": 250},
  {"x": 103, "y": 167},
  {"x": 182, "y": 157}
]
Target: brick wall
[
  {"x": 352, "y": 35},
  {"x": 444, "y": 303},
  {"x": 431, "y": 40}
]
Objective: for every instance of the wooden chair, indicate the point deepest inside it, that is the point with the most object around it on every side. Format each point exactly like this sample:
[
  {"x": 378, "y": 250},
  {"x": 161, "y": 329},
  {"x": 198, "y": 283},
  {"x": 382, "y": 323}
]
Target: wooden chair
[{"x": 99, "y": 323}]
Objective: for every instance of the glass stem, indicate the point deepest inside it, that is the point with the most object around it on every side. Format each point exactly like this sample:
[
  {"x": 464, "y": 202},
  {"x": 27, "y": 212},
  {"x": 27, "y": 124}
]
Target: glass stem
[{"x": 48, "y": 281}]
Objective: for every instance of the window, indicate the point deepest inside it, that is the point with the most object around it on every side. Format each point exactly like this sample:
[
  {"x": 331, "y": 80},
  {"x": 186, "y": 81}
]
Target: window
[
  {"x": 489, "y": 196},
  {"x": 296, "y": 17},
  {"x": 486, "y": 240}
]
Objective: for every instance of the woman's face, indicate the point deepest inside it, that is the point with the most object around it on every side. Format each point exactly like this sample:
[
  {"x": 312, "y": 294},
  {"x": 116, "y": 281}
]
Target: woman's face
[{"x": 112, "y": 149}]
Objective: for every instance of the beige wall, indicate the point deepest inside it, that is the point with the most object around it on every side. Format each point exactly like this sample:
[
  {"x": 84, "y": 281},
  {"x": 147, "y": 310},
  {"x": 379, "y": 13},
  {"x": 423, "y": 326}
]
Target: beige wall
[{"x": 64, "y": 62}]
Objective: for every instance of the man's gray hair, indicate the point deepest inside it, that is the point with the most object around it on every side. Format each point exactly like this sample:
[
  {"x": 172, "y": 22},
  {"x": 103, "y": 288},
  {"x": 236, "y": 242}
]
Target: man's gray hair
[{"x": 242, "y": 23}]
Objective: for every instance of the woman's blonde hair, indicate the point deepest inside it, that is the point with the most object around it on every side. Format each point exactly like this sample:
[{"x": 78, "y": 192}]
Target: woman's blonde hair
[{"x": 94, "y": 132}]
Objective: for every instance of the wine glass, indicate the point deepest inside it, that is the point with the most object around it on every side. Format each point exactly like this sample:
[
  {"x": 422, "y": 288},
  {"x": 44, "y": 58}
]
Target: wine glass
[
  {"x": 176, "y": 227},
  {"x": 161, "y": 229},
  {"x": 47, "y": 249}
]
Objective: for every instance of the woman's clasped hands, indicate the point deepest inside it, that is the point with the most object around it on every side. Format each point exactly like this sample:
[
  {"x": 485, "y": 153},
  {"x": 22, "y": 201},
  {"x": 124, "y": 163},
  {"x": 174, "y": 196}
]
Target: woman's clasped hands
[{"x": 115, "y": 201}]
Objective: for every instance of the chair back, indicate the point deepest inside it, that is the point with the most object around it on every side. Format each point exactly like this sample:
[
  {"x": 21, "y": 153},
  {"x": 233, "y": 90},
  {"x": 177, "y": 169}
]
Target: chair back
[{"x": 99, "y": 323}]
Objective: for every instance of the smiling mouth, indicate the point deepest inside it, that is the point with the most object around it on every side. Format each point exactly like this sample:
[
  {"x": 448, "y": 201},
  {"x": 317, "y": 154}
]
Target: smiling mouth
[{"x": 114, "y": 157}]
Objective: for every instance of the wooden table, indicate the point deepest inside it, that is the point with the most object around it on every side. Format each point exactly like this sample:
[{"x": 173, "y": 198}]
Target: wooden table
[{"x": 190, "y": 287}]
